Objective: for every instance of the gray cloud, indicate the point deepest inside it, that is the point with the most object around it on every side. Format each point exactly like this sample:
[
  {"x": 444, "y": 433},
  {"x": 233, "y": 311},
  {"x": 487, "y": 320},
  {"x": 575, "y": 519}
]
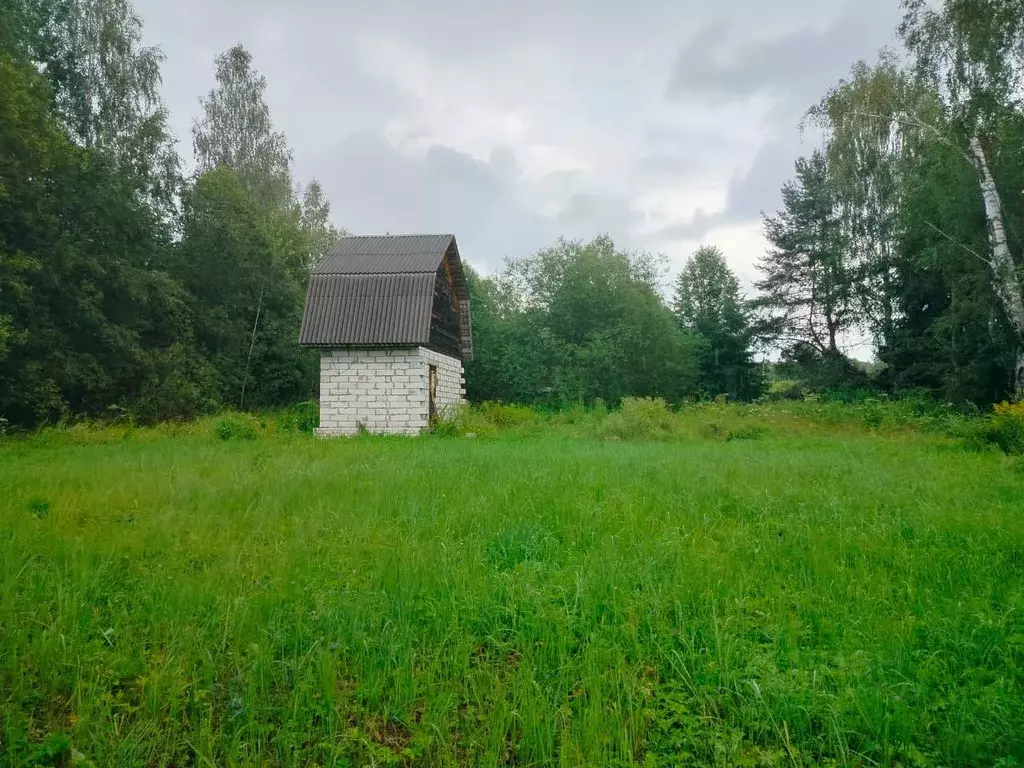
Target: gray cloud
[
  {"x": 376, "y": 189},
  {"x": 791, "y": 70},
  {"x": 511, "y": 124},
  {"x": 669, "y": 165},
  {"x": 720, "y": 64}
]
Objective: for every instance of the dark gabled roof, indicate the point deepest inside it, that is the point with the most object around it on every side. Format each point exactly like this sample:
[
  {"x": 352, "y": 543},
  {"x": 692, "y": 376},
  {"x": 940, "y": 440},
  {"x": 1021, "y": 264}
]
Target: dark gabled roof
[
  {"x": 388, "y": 254},
  {"x": 379, "y": 291},
  {"x": 367, "y": 310}
]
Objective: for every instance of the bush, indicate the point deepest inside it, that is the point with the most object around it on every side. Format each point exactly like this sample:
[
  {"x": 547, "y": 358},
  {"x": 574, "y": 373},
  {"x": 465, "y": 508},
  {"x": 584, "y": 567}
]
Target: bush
[
  {"x": 786, "y": 389},
  {"x": 237, "y": 426},
  {"x": 731, "y": 424},
  {"x": 1005, "y": 428},
  {"x": 639, "y": 417},
  {"x": 182, "y": 386},
  {"x": 874, "y": 416},
  {"x": 307, "y": 417},
  {"x": 302, "y": 417},
  {"x": 749, "y": 432}
]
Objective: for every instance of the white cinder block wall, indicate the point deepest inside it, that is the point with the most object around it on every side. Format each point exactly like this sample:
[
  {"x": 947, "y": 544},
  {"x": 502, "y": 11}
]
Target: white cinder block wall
[{"x": 385, "y": 390}]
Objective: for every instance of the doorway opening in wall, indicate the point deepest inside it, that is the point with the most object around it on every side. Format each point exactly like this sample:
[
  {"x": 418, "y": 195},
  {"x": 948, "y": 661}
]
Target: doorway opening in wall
[{"x": 432, "y": 389}]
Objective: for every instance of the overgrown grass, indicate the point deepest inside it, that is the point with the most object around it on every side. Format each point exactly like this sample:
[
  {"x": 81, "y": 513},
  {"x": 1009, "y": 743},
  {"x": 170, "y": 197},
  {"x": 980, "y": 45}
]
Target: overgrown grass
[
  {"x": 792, "y": 584},
  {"x": 652, "y": 419}
]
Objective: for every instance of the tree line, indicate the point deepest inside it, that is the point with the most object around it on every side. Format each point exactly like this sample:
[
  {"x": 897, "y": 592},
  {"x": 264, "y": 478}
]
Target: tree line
[
  {"x": 124, "y": 283},
  {"x": 905, "y": 228},
  {"x": 907, "y": 224},
  {"x": 582, "y": 322},
  {"x": 127, "y": 284}
]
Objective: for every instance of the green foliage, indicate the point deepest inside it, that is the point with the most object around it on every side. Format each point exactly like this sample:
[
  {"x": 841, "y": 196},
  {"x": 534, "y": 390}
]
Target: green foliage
[
  {"x": 237, "y": 132},
  {"x": 38, "y": 507},
  {"x": 304, "y": 416},
  {"x": 785, "y": 389},
  {"x": 639, "y": 417},
  {"x": 82, "y": 326},
  {"x": 806, "y": 289},
  {"x": 505, "y": 416},
  {"x": 54, "y": 751},
  {"x": 321, "y": 235},
  {"x": 643, "y": 419},
  {"x": 575, "y": 323},
  {"x": 107, "y": 297},
  {"x": 822, "y": 372},
  {"x": 486, "y": 419},
  {"x": 106, "y": 89},
  {"x": 708, "y": 304},
  {"x": 524, "y": 544},
  {"x": 906, "y": 186},
  {"x": 182, "y": 386},
  {"x": 867, "y": 140},
  {"x": 1005, "y": 428},
  {"x": 552, "y": 599},
  {"x": 237, "y": 426},
  {"x": 245, "y": 268},
  {"x": 950, "y": 337}
]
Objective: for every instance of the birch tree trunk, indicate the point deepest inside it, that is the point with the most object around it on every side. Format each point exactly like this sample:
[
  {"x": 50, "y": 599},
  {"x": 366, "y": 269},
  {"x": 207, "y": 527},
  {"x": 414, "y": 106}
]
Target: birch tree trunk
[{"x": 1004, "y": 272}]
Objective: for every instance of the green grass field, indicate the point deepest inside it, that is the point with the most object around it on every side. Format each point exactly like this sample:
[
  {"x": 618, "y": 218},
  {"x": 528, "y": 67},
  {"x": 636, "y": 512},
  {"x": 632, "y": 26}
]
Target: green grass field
[{"x": 818, "y": 595}]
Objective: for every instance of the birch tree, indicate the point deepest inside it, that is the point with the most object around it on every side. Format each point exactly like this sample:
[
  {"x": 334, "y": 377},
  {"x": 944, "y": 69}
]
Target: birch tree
[
  {"x": 236, "y": 131},
  {"x": 316, "y": 224},
  {"x": 866, "y": 140},
  {"x": 106, "y": 85},
  {"x": 972, "y": 53}
]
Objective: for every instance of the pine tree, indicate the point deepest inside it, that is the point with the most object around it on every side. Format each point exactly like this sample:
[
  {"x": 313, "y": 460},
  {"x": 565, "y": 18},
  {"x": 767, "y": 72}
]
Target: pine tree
[{"x": 807, "y": 290}]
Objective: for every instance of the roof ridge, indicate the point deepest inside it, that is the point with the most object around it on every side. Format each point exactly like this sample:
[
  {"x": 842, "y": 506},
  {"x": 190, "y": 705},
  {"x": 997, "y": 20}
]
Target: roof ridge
[
  {"x": 381, "y": 274},
  {"x": 404, "y": 234}
]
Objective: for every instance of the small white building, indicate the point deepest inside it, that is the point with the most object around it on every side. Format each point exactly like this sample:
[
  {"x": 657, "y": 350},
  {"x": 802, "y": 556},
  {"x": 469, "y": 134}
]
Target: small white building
[{"x": 391, "y": 317}]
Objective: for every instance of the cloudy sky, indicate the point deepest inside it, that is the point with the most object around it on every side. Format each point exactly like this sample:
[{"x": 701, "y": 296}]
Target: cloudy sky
[{"x": 664, "y": 123}]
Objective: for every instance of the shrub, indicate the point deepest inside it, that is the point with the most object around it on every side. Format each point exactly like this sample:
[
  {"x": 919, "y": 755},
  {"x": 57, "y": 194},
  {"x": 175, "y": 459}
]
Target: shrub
[
  {"x": 749, "y": 432},
  {"x": 302, "y": 417},
  {"x": 639, "y": 417},
  {"x": 714, "y": 430},
  {"x": 873, "y": 415},
  {"x": 307, "y": 417},
  {"x": 786, "y": 389},
  {"x": 55, "y": 750},
  {"x": 182, "y": 386},
  {"x": 1005, "y": 427},
  {"x": 237, "y": 426},
  {"x": 727, "y": 428}
]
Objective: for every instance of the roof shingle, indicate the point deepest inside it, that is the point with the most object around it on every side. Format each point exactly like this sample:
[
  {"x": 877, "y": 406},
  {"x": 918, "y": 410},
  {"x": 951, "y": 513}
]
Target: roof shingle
[
  {"x": 386, "y": 254},
  {"x": 379, "y": 291}
]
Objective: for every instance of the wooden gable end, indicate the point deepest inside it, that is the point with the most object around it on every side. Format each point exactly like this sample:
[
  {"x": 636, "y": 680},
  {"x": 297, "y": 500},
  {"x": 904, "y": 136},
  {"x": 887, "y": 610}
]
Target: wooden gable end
[{"x": 446, "y": 316}]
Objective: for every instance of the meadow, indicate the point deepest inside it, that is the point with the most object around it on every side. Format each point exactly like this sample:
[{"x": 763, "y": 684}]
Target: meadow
[{"x": 792, "y": 584}]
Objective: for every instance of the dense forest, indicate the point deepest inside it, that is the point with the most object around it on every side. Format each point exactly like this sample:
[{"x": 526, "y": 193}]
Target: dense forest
[{"x": 129, "y": 286}]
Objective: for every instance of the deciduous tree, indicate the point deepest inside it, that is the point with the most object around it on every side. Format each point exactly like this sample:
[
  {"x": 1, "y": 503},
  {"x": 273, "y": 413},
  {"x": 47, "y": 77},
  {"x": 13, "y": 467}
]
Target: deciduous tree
[
  {"x": 972, "y": 53},
  {"x": 237, "y": 132},
  {"x": 708, "y": 303}
]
